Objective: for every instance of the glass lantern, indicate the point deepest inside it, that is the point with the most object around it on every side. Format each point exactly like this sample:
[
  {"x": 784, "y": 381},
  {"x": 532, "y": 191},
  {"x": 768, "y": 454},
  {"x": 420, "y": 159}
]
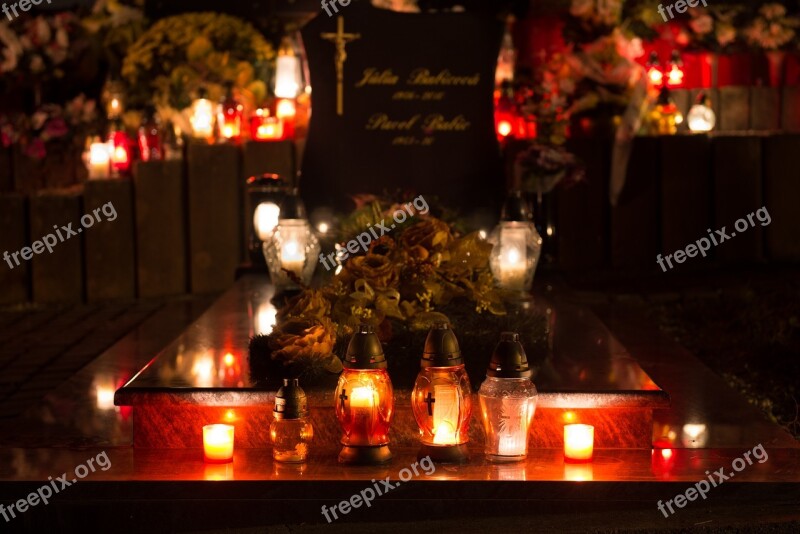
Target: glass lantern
[
  {"x": 508, "y": 401},
  {"x": 265, "y": 192},
  {"x": 288, "y": 70},
  {"x": 229, "y": 116},
  {"x": 202, "y": 118},
  {"x": 441, "y": 399},
  {"x": 292, "y": 246},
  {"x": 291, "y": 432},
  {"x": 113, "y": 98},
  {"x": 516, "y": 246},
  {"x": 97, "y": 158},
  {"x": 120, "y": 146},
  {"x": 150, "y": 142},
  {"x": 701, "y": 117},
  {"x": 364, "y": 401}
]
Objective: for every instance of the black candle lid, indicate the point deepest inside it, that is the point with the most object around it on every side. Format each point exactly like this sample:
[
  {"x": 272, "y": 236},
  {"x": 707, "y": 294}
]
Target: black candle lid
[
  {"x": 364, "y": 350},
  {"x": 509, "y": 359},
  {"x": 290, "y": 400},
  {"x": 292, "y": 206},
  {"x": 515, "y": 208},
  {"x": 441, "y": 347}
]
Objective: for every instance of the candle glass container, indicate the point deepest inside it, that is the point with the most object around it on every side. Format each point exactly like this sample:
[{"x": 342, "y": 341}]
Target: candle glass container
[
  {"x": 120, "y": 146},
  {"x": 263, "y": 127},
  {"x": 701, "y": 117},
  {"x": 218, "y": 444},
  {"x": 202, "y": 118},
  {"x": 149, "y": 136},
  {"x": 364, "y": 401},
  {"x": 229, "y": 116},
  {"x": 508, "y": 401},
  {"x": 113, "y": 97},
  {"x": 516, "y": 246},
  {"x": 291, "y": 432},
  {"x": 293, "y": 247},
  {"x": 578, "y": 443},
  {"x": 97, "y": 158},
  {"x": 442, "y": 398},
  {"x": 265, "y": 192},
  {"x": 288, "y": 71}
]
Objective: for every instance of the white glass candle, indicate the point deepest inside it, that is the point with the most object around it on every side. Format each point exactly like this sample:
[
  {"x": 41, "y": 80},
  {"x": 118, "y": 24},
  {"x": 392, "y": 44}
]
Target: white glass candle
[
  {"x": 578, "y": 442},
  {"x": 218, "y": 443},
  {"x": 99, "y": 161},
  {"x": 265, "y": 219},
  {"x": 202, "y": 118}
]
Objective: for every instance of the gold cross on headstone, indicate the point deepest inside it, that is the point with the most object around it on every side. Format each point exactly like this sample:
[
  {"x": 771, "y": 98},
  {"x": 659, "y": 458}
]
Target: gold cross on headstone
[{"x": 340, "y": 39}]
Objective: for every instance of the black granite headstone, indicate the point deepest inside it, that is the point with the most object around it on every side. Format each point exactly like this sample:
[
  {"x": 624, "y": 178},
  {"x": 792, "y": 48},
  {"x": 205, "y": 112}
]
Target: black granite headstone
[{"x": 413, "y": 110}]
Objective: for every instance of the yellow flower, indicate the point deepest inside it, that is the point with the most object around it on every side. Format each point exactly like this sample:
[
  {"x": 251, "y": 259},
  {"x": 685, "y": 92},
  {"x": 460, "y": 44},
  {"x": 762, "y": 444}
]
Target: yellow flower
[{"x": 310, "y": 303}]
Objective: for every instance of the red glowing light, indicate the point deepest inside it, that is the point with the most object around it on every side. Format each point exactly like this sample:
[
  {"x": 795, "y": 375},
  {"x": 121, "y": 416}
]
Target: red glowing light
[{"x": 503, "y": 128}]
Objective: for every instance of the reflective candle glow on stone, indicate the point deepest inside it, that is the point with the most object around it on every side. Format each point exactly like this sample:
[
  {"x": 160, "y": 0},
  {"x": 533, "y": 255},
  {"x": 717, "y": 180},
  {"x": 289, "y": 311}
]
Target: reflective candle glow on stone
[
  {"x": 578, "y": 442},
  {"x": 218, "y": 443}
]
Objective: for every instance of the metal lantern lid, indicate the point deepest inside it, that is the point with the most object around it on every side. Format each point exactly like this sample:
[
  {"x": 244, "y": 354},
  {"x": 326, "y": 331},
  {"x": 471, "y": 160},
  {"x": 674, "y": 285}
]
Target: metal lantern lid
[
  {"x": 364, "y": 350},
  {"x": 515, "y": 208},
  {"x": 703, "y": 99},
  {"x": 441, "y": 347},
  {"x": 508, "y": 359},
  {"x": 292, "y": 207},
  {"x": 290, "y": 400}
]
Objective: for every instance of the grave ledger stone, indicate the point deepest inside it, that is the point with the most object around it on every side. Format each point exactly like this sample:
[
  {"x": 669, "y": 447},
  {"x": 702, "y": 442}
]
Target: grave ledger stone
[{"x": 402, "y": 102}]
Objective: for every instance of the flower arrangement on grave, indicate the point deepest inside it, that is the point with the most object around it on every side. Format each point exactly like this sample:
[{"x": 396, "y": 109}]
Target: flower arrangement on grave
[
  {"x": 50, "y": 126},
  {"x": 772, "y": 29},
  {"x": 425, "y": 271},
  {"x": 179, "y": 56}
]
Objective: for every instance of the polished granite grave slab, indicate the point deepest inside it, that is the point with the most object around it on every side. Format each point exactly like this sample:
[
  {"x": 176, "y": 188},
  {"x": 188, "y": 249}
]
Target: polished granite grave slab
[{"x": 203, "y": 377}]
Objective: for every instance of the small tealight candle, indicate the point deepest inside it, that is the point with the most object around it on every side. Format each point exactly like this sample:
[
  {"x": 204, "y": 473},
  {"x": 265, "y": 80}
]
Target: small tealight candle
[
  {"x": 578, "y": 443},
  {"x": 218, "y": 443}
]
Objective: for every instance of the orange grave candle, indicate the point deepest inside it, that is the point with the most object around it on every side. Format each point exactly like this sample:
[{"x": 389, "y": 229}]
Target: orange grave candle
[
  {"x": 218, "y": 443},
  {"x": 578, "y": 443}
]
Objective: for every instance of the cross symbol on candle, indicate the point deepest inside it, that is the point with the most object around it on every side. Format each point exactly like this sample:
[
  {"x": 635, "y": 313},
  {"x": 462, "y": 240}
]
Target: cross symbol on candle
[
  {"x": 343, "y": 397},
  {"x": 429, "y": 400}
]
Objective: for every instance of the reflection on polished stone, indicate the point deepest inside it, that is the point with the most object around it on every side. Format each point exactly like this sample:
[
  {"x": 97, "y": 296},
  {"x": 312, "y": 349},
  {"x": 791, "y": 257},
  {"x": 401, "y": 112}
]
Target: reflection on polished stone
[
  {"x": 694, "y": 435},
  {"x": 578, "y": 472},
  {"x": 509, "y": 471},
  {"x": 218, "y": 471}
]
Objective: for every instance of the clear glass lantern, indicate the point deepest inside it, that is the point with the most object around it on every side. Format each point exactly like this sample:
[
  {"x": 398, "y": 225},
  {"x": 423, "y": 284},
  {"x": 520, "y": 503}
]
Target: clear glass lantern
[
  {"x": 364, "y": 401},
  {"x": 291, "y": 432},
  {"x": 701, "y": 117},
  {"x": 442, "y": 398},
  {"x": 265, "y": 192},
  {"x": 292, "y": 246},
  {"x": 508, "y": 401},
  {"x": 516, "y": 246}
]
